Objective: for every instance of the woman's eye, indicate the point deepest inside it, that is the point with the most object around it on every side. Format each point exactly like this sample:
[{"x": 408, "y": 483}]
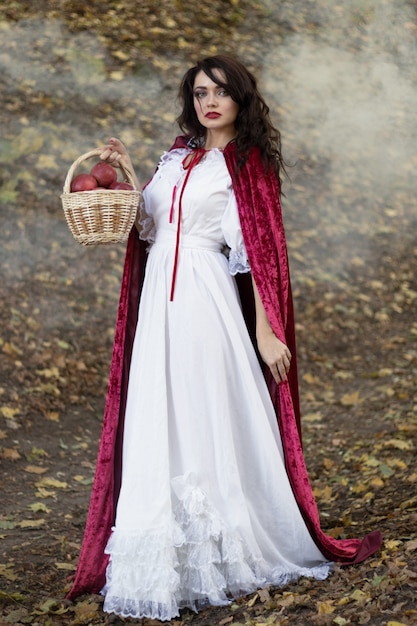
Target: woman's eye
[
  {"x": 222, "y": 92},
  {"x": 199, "y": 94}
]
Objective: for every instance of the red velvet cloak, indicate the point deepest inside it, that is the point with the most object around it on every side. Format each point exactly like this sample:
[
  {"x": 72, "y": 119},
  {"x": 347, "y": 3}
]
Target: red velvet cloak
[{"x": 257, "y": 195}]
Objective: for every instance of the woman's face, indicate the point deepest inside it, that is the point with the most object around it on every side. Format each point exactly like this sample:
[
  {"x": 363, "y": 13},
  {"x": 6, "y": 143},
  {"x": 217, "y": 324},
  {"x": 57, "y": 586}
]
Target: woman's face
[{"x": 215, "y": 109}]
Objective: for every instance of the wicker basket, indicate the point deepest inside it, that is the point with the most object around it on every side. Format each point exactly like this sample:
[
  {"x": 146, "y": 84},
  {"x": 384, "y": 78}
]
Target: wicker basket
[{"x": 102, "y": 216}]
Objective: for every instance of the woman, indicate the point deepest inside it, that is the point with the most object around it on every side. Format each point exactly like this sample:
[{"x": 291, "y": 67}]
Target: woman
[{"x": 201, "y": 493}]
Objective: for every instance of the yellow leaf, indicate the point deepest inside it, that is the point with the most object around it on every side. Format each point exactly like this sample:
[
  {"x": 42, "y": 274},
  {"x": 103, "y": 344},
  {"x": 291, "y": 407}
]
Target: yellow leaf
[
  {"x": 52, "y": 416},
  {"x": 312, "y": 417},
  {"x": 31, "y": 523},
  {"x": 86, "y": 610},
  {"x": 47, "y": 162},
  {"x": 9, "y": 412},
  {"x": 11, "y": 349},
  {"x": 52, "y": 372},
  {"x": 52, "y": 482},
  {"x": 50, "y": 607},
  {"x": 391, "y": 623},
  {"x": 35, "y": 469},
  {"x": 392, "y": 544},
  {"x": 67, "y": 566},
  {"x": 119, "y": 54},
  {"x": 408, "y": 503},
  {"x": 311, "y": 380},
  {"x": 326, "y": 493},
  {"x": 117, "y": 75},
  {"x": 344, "y": 375},
  {"x": 377, "y": 482},
  {"x": 324, "y": 608},
  {"x": 50, "y": 389},
  {"x": 399, "y": 443},
  {"x": 359, "y": 488},
  {"x": 11, "y": 454},
  {"x": 39, "y": 506},
  {"x": 350, "y": 399},
  {"x": 44, "y": 493},
  {"x": 371, "y": 461},
  {"x": 385, "y": 371},
  {"x": 396, "y": 463},
  {"x": 252, "y": 601},
  {"x": 358, "y": 596},
  {"x": 7, "y": 572},
  {"x": 36, "y": 453}
]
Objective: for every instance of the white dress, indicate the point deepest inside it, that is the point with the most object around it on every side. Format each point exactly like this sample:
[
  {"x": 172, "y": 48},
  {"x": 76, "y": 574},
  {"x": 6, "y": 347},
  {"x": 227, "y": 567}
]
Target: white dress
[{"x": 206, "y": 512}]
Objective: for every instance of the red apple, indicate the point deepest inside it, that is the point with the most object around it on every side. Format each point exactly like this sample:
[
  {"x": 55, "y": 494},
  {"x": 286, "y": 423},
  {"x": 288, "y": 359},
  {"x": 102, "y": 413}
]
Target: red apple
[
  {"x": 83, "y": 182},
  {"x": 120, "y": 185},
  {"x": 104, "y": 173}
]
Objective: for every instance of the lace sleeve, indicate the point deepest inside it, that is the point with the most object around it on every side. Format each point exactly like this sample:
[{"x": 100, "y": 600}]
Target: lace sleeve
[
  {"x": 238, "y": 259},
  {"x": 146, "y": 224}
]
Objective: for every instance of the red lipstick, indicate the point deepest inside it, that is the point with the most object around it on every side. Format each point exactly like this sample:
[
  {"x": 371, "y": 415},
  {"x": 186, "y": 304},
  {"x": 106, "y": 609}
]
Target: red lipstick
[{"x": 212, "y": 115}]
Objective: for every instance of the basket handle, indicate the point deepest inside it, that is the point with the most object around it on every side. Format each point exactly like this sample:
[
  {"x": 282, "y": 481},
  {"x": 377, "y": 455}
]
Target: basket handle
[{"x": 88, "y": 155}]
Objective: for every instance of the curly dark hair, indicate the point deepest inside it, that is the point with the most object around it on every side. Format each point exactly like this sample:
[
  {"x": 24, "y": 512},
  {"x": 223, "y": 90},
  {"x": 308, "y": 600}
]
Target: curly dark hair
[{"x": 253, "y": 124}]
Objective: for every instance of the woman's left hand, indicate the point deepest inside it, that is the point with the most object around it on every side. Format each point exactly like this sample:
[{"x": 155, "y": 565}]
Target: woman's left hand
[{"x": 275, "y": 354}]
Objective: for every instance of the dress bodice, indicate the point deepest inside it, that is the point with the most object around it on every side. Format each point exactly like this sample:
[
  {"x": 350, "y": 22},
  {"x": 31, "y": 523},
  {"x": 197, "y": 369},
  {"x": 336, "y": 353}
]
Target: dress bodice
[{"x": 209, "y": 207}]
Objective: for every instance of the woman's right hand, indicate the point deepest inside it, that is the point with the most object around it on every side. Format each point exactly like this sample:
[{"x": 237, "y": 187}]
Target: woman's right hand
[{"x": 115, "y": 152}]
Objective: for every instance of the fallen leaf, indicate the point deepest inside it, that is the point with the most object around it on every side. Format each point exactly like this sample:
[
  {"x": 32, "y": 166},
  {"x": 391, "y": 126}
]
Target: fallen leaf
[
  {"x": 44, "y": 493},
  {"x": 350, "y": 399},
  {"x": 31, "y": 523},
  {"x": 324, "y": 608},
  {"x": 35, "y": 469},
  {"x": 400, "y": 444},
  {"x": 7, "y": 572},
  {"x": 7, "y": 525},
  {"x": 67, "y": 566},
  {"x": 313, "y": 417},
  {"x": 86, "y": 610},
  {"x": 9, "y": 412},
  {"x": 52, "y": 482},
  {"x": 36, "y": 507},
  {"x": 311, "y": 380},
  {"x": 11, "y": 454},
  {"x": 252, "y": 600},
  {"x": 50, "y": 607},
  {"x": 52, "y": 416},
  {"x": 358, "y": 596},
  {"x": 392, "y": 544}
]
